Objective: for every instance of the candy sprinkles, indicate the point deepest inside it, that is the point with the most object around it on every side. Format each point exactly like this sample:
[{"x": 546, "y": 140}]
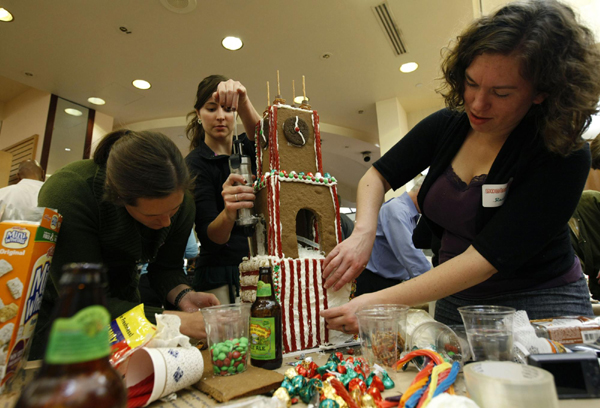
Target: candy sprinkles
[{"x": 351, "y": 383}]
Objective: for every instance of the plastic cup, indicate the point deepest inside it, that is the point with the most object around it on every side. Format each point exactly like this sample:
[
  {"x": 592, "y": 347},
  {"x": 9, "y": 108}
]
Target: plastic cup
[
  {"x": 382, "y": 330},
  {"x": 489, "y": 331},
  {"x": 441, "y": 339},
  {"x": 227, "y": 330}
]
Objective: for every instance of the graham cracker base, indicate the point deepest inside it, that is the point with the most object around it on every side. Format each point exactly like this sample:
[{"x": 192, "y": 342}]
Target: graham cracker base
[{"x": 253, "y": 381}]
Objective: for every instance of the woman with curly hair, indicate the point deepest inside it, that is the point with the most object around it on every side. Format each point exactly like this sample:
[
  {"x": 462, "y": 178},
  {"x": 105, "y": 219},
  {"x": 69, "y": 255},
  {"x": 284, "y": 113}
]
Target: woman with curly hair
[{"x": 507, "y": 167}]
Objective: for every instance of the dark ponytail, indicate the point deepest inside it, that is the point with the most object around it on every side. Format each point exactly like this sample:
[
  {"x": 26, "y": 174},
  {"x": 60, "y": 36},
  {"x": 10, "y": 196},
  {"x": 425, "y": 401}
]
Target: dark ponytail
[{"x": 194, "y": 130}]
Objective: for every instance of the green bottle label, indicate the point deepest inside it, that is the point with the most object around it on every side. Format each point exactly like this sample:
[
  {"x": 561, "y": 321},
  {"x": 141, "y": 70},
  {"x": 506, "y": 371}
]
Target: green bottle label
[
  {"x": 262, "y": 338},
  {"x": 81, "y": 338},
  {"x": 263, "y": 289}
]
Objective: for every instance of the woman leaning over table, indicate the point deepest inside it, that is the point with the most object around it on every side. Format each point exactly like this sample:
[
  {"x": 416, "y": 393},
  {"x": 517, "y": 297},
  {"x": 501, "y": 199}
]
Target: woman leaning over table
[
  {"x": 507, "y": 168},
  {"x": 211, "y": 126},
  {"x": 126, "y": 207}
]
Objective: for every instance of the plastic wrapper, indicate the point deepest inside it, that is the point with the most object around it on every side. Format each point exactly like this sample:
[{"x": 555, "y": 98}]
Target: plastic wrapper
[
  {"x": 129, "y": 332},
  {"x": 568, "y": 329}
]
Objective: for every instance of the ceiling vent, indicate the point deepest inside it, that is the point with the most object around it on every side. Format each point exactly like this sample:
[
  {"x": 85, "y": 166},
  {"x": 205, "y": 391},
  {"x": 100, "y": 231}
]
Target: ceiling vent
[
  {"x": 179, "y": 6},
  {"x": 387, "y": 22}
]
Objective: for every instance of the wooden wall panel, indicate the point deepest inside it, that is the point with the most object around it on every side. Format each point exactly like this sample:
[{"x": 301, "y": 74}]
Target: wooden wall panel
[{"x": 21, "y": 151}]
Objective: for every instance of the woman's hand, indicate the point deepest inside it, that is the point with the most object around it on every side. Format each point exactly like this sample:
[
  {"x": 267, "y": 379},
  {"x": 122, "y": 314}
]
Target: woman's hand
[
  {"x": 347, "y": 260},
  {"x": 230, "y": 94},
  {"x": 193, "y": 301},
  {"x": 233, "y": 95},
  {"x": 236, "y": 196},
  {"x": 192, "y": 324},
  {"x": 343, "y": 318}
]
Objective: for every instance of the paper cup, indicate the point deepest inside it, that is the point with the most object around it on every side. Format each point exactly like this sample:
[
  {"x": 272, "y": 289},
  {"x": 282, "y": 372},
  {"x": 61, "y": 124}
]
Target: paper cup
[{"x": 173, "y": 368}]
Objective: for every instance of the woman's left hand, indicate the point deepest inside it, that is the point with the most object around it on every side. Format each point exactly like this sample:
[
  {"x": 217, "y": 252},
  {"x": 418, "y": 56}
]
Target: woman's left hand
[
  {"x": 230, "y": 94},
  {"x": 197, "y": 300},
  {"x": 343, "y": 318}
]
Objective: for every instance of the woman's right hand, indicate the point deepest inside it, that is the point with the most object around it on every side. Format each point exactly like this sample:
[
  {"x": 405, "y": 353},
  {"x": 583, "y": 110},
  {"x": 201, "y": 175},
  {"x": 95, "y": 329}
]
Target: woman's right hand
[
  {"x": 236, "y": 194},
  {"x": 348, "y": 259},
  {"x": 192, "y": 324}
]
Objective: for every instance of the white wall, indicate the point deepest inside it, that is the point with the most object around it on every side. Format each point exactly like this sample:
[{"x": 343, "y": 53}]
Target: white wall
[
  {"x": 103, "y": 124},
  {"x": 25, "y": 116}
]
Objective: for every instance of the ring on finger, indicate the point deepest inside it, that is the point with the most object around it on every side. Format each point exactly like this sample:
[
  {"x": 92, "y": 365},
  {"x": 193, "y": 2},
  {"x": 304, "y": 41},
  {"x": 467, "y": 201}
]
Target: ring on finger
[
  {"x": 344, "y": 328},
  {"x": 236, "y": 198}
]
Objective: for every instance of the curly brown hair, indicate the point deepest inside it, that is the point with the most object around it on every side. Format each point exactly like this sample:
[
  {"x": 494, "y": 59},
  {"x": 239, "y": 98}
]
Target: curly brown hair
[
  {"x": 558, "y": 56},
  {"x": 595, "y": 150}
]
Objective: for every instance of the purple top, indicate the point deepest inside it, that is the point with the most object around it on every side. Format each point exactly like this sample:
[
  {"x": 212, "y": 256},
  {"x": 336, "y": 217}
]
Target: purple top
[{"x": 452, "y": 204}]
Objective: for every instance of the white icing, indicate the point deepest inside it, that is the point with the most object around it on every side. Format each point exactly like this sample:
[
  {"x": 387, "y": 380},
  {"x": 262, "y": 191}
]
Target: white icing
[
  {"x": 300, "y": 133},
  {"x": 337, "y": 236}
]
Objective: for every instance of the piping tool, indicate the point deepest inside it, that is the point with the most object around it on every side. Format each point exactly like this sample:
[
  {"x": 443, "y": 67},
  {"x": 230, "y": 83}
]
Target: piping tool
[{"x": 239, "y": 163}]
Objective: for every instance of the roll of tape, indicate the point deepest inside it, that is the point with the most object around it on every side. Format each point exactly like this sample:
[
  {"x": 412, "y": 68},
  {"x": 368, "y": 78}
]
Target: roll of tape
[{"x": 500, "y": 384}]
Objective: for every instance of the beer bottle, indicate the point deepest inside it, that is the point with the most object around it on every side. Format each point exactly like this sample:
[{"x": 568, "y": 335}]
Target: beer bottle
[
  {"x": 76, "y": 371},
  {"x": 265, "y": 324}
]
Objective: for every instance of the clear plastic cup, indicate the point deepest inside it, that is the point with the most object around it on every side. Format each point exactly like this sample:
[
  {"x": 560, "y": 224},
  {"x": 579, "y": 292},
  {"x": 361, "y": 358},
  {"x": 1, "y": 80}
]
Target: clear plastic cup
[
  {"x": 227, "y": 329},
  {"x": 489, "y": 331},
  {"x": 382, "y": 330},
  {"x": 441, "y": 339}
]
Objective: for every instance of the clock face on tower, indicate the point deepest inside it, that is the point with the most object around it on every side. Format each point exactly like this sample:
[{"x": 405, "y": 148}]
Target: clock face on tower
[{"x": 296, "y": 131}]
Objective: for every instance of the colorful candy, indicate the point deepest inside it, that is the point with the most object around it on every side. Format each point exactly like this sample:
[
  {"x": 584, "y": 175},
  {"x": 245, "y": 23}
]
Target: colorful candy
[{"x": 230, "y": 356}]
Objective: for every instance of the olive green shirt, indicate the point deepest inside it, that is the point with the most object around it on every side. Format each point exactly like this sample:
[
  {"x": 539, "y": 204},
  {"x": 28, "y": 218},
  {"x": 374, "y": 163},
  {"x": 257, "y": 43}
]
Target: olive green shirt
[{"x": 98, "y": 231}]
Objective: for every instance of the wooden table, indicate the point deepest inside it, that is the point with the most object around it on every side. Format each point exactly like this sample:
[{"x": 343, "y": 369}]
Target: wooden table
[{"x": 192, "y": 398}]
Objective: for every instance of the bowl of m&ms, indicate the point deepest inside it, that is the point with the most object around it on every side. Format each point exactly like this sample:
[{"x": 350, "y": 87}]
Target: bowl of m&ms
[{"x": 227, "y": 329}]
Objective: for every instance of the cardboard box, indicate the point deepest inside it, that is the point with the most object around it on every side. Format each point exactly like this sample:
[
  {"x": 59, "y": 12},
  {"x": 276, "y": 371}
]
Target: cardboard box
[{"x": 26, "y": 250}]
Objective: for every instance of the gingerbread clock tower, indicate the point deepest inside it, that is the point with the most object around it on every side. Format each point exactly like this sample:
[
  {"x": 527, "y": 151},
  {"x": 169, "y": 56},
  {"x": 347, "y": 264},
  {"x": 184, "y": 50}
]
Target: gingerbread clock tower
[{"x": 298, "y": 208}]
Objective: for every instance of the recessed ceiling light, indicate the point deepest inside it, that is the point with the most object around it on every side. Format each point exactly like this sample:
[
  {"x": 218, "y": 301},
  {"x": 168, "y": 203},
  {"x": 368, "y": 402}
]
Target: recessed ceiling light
[
  {"x": 67, "y": 149},
  {"x": 73, "y": 112},
  {"x": 5, "y": 15},
  {"x": 300, "y": 99},
  {"x": 232, "y": 43},
  {"x": 96, "y": 101},
  {"x": 141, "y": 84},
  {"x": 409, "y": 67}
]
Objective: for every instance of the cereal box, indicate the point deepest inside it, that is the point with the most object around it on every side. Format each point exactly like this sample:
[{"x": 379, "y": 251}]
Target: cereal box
[{"x": 26, "y": 249}]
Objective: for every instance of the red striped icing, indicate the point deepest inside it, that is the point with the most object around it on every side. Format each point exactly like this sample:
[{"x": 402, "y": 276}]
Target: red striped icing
[
  {"x": 301, "y": 315},
  {"x": 309, "y": 319},
  {"x": 277, "y": 185},
  {"x": 317, "y": 141},
  {"x": 317, "y": 287},
  {"x": 338, "y": 223},
  {"x": 258, "y": 139},
  {"x": 325, "y": 303},
  {"x": 292, "y": 329},
  {"x": 285, "y": 304}
]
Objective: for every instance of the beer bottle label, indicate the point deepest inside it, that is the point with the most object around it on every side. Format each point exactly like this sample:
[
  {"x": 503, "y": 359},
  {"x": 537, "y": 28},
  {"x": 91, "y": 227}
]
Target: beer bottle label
[
  {"x": 263, "y": 289},
  {"x": 80, "y": 338},
  {"x": 262, "y": 338}
]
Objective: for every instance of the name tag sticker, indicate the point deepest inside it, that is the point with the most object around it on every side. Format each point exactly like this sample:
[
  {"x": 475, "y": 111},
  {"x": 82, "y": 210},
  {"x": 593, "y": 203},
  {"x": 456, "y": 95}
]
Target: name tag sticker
[{"x": 493, "y": 195}]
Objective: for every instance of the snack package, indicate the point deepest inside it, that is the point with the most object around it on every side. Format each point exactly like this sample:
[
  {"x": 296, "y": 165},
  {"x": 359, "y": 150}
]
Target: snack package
[
  {"x": 129, "y": 332},
  {"x": 568, "y": 329},
  {"x": 26, "y": 250}
]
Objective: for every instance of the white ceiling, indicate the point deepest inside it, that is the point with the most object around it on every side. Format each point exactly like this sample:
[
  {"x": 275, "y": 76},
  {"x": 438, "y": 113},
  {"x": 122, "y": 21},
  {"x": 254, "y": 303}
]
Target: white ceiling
[{"x": 75, "y": 49}]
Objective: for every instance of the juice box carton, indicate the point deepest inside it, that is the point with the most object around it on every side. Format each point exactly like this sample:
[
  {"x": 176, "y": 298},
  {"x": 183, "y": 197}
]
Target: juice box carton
[{"x": 26, "y": 249}]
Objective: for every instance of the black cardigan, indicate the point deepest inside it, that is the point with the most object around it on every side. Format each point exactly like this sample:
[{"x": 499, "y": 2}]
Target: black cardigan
[
  {"x": 527, "y": 238},
  {"x": 211, "y": 172}
]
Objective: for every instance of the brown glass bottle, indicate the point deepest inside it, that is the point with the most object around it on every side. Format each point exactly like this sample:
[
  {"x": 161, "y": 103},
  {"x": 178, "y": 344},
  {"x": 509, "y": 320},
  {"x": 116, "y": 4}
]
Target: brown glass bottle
[
  {"x": 265, "y": 324},
  {"x": 76, "y": 371}
]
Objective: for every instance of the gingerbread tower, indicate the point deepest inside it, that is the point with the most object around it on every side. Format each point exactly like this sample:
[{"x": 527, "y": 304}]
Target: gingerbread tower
[{"x": 296, "y": 202}]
